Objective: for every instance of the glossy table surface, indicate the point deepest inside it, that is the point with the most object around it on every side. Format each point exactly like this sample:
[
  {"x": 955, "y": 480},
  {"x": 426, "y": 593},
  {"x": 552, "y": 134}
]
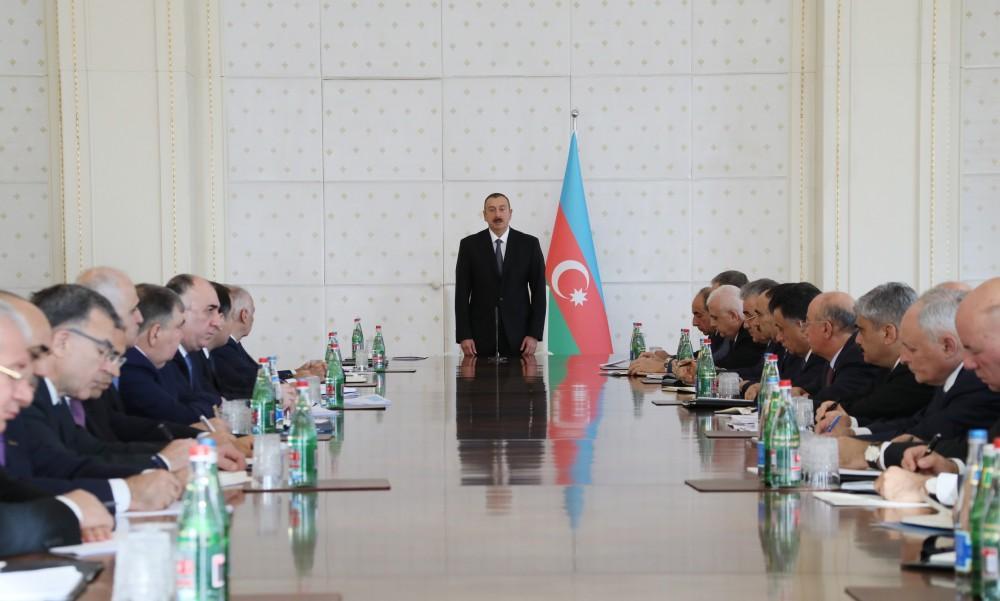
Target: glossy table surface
[{"x": 548, "y": 481}]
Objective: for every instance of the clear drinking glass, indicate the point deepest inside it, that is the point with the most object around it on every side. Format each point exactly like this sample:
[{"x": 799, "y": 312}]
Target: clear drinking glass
[
  {"x": 804, "y": 414},
  {"x": 144, "y": 566},
  {"x": 268, "y": 461},
  {"x": 820, "y": 461},
  {"x": 315, "y": 390},
  {"x": 729, "y": 385}
]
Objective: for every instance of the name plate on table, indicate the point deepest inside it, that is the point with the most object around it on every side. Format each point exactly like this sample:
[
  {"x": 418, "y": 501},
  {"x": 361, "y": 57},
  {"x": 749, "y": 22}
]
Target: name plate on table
[
  {"x": 716, "y": 402},
  {"x": 340, "y": 485},
  {"x": 668, "y": 402},
  {"x": 737, "y": 485}
]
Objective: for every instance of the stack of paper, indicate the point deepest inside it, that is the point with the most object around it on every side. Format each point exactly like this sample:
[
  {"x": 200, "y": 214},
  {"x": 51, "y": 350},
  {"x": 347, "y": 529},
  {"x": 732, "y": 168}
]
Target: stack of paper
[
  {"x": 371, "y": 401},
  {"x": 107, "y": 547},
  {"x": 40, "y": 585},
  {"x": 173, "y": 509},
  {"x": 743, "y": 423},
  {"x": 227, "y": 479},
  {"x": 846, "y": 499}
]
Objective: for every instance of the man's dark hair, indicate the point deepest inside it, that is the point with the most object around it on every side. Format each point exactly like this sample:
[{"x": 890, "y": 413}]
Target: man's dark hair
[
  {"x": 181, "y": 283},
  {"x": 157, "y": 304},
  {"x": 731, "y": 278},
  {"x": 793, "y": 299},
  {"x": 703, "y": 294},
  {"x": 71, "y": 304},
  {"x": 496, "y": 195},
  {"x": 225, "y": 301}
]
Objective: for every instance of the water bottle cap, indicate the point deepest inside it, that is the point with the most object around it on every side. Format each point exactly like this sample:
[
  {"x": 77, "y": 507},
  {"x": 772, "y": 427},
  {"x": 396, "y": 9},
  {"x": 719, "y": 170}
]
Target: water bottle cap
[
  {"x": 685, "y": 330},
  {"x": 977, "y": 435},
  {"x": 707, "y": 341},
  {"x": 996, "y": 443},
  {"x": 207, "y": 441},
  {"x": 378, "y": 327},
  {"x": 331, "y": 333},
  {"x": 262, "y": 360},
  {"x": 638, "y": 324},
  {"x": 200, "y": 450},
  {"x": 357, "y": 319},
  {"x": 301, "y": 384},
  {"x": 786, "y": 384}
]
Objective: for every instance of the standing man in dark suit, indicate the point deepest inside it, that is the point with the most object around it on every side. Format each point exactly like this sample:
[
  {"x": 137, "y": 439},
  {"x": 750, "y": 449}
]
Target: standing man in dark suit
[{"x": 499, "y": 291}]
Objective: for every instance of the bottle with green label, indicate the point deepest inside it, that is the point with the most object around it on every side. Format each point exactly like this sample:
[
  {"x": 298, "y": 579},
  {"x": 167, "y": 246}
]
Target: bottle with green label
[
  {"x": 357, "y": 339},
  {"x": 705, "y": 379},
  {"x": 302, "y": 442},
  {"x": 963, "y": 506},
  {"x": 202, "y": 548},
  {"x": 978, "y": 513},
  {"x": 990, "y": 540},
  {"x": 378, "y": 351},
  {"x": 262, "y": 400},
  {"x": 684, "y": 350},
  {"x": 335, "y": 378},
  {"x": 785, "y": 469},
  {"x": 637, "y": 345}
]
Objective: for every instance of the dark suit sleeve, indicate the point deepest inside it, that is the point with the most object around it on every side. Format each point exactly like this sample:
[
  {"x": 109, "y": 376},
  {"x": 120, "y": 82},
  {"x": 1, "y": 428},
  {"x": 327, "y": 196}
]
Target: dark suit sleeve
[
  {"x": 851, "y": 382},
  {"x": 54, "y": 486},
  {"x": 43, "y": 435},
  {"x": 31, "y": 520},
  {"x": 144, "y": 396},
  {"x": 142, "y": 429},
  {"x": 536, "y": 283},
  {"x": 463, "y": 288}
]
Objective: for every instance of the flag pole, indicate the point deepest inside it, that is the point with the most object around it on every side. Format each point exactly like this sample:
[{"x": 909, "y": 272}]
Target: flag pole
[{"x": 574, "y": 114}]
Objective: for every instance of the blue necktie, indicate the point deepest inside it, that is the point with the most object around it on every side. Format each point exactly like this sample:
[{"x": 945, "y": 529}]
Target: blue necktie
[{"x": 187, "y": 360}]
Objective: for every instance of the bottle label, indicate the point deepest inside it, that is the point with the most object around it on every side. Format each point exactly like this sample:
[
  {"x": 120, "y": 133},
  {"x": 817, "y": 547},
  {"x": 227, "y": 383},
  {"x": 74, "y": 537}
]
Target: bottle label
[
  {"x": 963, "y": 552},
  {"x": 218, "y": 570},
  {"x": 185, "y": 574},
  {"x": 761, "y": 458},
  {"x": 294, "y": 460},
  {"x": 991, "y": 563}
]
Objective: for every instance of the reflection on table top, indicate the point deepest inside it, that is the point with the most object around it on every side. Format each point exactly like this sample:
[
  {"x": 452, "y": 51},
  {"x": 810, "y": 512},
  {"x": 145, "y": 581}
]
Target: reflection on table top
[{"x": 548, "y": 480}]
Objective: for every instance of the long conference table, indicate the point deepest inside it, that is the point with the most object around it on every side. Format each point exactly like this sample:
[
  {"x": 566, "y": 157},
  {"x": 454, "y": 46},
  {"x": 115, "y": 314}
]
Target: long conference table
[{"x": 547, "y": 480}]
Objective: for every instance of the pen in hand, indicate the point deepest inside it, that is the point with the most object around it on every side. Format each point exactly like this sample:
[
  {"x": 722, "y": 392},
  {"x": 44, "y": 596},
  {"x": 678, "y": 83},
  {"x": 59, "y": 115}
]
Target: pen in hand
[
  {"x": 165, "y": 431},
  {"x": 932, "y": 444},
  {"x": 207, "y": 423},
  {"x": 832, "y": 425}
]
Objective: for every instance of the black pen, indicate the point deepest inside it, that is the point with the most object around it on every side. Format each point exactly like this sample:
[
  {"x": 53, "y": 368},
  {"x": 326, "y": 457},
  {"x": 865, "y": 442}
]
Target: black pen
[
  {"x": 933, "y": 443},
  {"x": 165, "y": 431}
]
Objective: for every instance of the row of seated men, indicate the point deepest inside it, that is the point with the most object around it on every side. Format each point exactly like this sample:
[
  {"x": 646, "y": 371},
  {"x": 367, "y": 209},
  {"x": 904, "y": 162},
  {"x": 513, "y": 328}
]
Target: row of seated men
[
  {"x": 887, "y": 372},
  {"x": 104, "y": 386}
]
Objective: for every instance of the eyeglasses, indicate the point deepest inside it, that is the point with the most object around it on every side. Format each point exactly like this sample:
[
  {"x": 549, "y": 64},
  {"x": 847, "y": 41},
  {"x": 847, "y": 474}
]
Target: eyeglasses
[
  {"x": 107, "y": 352},
  {"x": 10, "y": 373}
]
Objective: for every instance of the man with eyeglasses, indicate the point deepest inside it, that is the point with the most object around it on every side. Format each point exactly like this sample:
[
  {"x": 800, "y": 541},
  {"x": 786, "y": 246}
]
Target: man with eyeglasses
[
  {"x": 82, "y": 355},
  {"x": 32, "y": 520}
]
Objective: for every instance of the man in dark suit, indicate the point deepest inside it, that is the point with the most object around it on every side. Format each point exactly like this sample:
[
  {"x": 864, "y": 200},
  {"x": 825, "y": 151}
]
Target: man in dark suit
[
  {"x": 757, "y": 322},
  {"x": 920, "y": 474},
  {"x": 235, "y": 369},
  {"x": 186, "y": 372},
  {"x": 146, "y": 388},
  {"x": 725, "y": 307},
  {"x": 898, "y": 394},
  {"x": 789, "y": 305},
  {"x": 830, "y": 329},
  {"x": 499, "y": 291},
  {"x": 83, "y": 359},
  {"x": 30, "y": 519},
  {"x": 933, "y": 351},
  {"x": 106, "y": 418}
]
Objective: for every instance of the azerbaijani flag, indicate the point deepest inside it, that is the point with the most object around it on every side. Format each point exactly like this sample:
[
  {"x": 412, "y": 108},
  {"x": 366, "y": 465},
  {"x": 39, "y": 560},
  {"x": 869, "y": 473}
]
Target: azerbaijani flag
[{"x": 578, "y": 323}]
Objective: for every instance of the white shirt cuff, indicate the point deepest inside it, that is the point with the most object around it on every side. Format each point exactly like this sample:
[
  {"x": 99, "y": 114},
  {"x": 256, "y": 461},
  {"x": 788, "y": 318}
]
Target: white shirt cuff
[
  {"x": 165, "y": 462},
  {"x": 73, "y": 507},
  {"x": 946, "y": 488},
  {"x": 881, "y": 454},
  {"x": 960, "y": 464},
  {"x": 860, "y": 431},
  {"x": 854, "y": 423},
  {"x": 122, "y": 495}
]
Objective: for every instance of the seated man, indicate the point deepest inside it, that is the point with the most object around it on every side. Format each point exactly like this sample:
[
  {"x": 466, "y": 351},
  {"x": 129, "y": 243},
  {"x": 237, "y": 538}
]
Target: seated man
[
  {"x": 660, "y": 361},
  {"x": 758, "y": 323},
  {"x": 978, "y": 324},
  {"x": 201, "y": 323},
  {"x": 726, "y": 311},
  {"x": 933, "y": 351},
  {"x": 789, "y": 305},
  {"x": 82, "y": 354},
  {"x": 30, "y": 519},
  {"x": 729, "y": 277},
  {"x": 106, "y": 417},
  {"x": 898, "y": 394},
  {"x": 831, "y": 330},
  {"x": 145, "y": 387},
  {"x": 235, "y": 369}
]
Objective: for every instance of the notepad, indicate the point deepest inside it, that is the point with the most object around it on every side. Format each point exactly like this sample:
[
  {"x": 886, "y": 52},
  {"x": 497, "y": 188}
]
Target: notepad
[
  {"x": 44, "y": 584},
  {"x": 227, "y": 479},
  {"x": 844, "y": 499},
  {"x": 616, "y": 364},
  {"x": 174, "y": 509},
  {"x": 106, "y": 547},
  {"x": 942, "y": 520}
]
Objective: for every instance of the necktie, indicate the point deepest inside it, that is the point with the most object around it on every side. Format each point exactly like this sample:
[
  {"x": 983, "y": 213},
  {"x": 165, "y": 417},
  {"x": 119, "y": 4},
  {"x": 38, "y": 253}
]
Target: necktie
[
  {"x": 78, "y": 413},
  {"x": 187, "y": 360},
  {"x": 499, "y": 257},
  {"x": 3, "y": 451},
  {"x": 829, "y": 376}
]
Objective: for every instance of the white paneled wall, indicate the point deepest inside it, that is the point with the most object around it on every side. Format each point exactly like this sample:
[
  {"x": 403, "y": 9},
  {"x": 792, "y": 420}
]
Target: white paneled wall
[
  {"x": 26, "y": 243},
  {"x": 980, "y": 162},
  {"x": 362, "y": 138}
]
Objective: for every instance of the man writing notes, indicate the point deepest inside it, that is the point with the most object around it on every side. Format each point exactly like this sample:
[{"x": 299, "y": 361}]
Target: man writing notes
[{"x": 499, "y": 287}]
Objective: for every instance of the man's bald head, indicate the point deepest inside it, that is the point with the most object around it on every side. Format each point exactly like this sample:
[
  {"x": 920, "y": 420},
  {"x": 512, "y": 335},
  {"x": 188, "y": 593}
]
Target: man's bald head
[
  {"x": 114, "y": 285},
  {"x": 725, "y": 308},
  {"x": 830, "y": 322},
  {"x": 39, "y": 332},
  {"x": 242, "y": 312},
  {"x": 978, "y": 322}
]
